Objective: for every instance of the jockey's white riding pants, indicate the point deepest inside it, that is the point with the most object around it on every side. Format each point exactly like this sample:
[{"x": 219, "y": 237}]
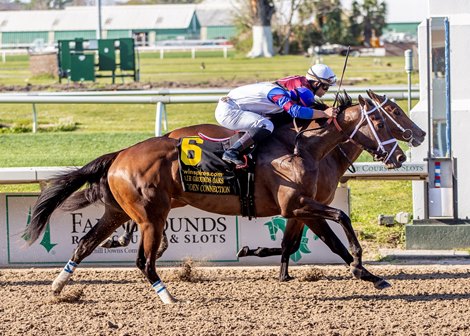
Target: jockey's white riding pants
[{"x": 229, "y": 115}]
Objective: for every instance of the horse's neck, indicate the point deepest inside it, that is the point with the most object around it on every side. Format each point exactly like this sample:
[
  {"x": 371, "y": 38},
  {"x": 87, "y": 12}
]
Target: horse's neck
[{"x": 320, "y": 143}]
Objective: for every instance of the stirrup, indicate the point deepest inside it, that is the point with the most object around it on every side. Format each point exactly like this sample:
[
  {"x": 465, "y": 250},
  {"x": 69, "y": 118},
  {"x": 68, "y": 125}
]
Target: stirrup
[{"x": 231, "y": 157}]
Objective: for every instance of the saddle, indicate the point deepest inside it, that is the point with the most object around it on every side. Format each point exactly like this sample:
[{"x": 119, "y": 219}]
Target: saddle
[{"x": 202, "y": 170}]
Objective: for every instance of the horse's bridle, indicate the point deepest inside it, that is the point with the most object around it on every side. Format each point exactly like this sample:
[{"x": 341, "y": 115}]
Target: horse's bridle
[
  {"x": 364, "y": 117},
  {"x": 400, "y": 127},
  {"x": 381, "y": 144}
]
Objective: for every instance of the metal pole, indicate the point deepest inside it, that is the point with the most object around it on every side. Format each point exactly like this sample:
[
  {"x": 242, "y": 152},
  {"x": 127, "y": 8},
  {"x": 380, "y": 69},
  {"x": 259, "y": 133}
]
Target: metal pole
[
  {"x": 98, "y": 31},
  {"x": 448, "y": 92},
  {"x": 409, "y": 92},
  {"x": 35, "y": 119},
  {"x": 409, "y": 69},
  {"x": 158, "y": 118},
  {"x": 430, "y": 141}
]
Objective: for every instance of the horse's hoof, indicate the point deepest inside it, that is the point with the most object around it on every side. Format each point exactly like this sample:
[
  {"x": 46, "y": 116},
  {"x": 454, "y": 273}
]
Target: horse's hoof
[
  {"x": 382, "y": 284},
  {"x": 356, "y": 273},
  {"x": 57, "y": 288},
  {"x": 171, "y": 301},
  {"x": 123, "y": 241},
  {"x": 286, "y": 278},
  {"x": 108, "y": 243},
  {"x": 243, "y": 252}
]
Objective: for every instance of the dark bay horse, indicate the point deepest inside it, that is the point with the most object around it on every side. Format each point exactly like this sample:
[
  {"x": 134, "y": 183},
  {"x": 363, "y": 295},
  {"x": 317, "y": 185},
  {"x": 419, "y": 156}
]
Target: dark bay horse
[
  {"x": 332, "y": 168},
  {"x": 142, "y": 183}
]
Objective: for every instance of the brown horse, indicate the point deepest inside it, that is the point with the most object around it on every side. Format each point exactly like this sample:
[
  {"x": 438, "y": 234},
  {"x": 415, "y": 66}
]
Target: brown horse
[
  {"x": 332, "y": 168},
  {"x": 142, "y": 181}
]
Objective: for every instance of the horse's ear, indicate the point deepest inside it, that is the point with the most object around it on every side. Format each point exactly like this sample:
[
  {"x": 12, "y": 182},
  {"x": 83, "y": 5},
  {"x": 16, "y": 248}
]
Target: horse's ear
[
  {"x": 362, "y": 101},
  {"x": 372, "y": 94}
]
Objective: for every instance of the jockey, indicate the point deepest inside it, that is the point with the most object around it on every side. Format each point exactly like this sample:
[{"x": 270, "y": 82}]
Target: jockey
[{"x": 247, "y": 108}]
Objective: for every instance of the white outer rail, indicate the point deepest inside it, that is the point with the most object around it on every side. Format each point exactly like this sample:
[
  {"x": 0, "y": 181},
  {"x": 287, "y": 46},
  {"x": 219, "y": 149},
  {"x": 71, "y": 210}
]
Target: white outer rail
[
  {"x": 158, "y": 100},
  {"x": 364, "y": 171},
  {"x": 382, "y": 89}
]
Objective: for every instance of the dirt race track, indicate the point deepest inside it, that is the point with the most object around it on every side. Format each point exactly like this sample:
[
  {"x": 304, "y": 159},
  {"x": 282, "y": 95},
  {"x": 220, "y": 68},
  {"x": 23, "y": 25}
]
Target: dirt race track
[{"x": 322, "y": 300}]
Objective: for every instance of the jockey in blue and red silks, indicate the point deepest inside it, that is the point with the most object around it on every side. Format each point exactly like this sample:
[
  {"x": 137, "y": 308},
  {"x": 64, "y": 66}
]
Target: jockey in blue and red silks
[{"x": 249, "y": 107}]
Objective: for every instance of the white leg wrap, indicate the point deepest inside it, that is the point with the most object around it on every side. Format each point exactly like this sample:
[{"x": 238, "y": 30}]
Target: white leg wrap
[
  {"x": 63, "y": 277},
  {"x": 163, "y": 293}
]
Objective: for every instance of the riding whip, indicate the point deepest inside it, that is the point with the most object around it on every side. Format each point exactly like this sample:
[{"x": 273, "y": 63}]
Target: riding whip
[{"x": 342, "y": 74}]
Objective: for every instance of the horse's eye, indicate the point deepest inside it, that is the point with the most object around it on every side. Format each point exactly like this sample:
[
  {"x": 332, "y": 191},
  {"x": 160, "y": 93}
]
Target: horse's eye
[
  {"x": 396, "y": 112},
  {"x": 380, "y": 125}
]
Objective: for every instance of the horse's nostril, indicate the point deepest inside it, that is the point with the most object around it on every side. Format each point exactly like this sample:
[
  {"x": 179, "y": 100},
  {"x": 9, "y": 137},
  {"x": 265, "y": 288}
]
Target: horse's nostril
[{"x": 401, "y": 158}]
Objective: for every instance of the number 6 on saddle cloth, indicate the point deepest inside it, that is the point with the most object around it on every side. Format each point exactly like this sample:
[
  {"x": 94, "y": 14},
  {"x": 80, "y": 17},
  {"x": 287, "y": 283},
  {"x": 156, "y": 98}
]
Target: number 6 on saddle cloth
[{"x": 202, "y": 170}]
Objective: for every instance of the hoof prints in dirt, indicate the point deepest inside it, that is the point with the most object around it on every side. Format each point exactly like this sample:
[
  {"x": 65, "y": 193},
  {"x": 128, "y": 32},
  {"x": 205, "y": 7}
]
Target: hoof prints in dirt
[{"x": 424, "y": 300}]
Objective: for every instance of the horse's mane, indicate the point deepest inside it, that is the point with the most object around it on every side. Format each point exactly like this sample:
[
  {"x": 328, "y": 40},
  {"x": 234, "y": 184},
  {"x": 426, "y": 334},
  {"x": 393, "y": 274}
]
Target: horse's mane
[{"x": 344, "y": 101}]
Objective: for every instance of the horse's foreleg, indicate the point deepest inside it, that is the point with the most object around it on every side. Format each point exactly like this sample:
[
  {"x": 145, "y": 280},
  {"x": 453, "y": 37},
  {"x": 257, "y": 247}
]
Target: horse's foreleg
[
  {"x": 151, "y": 236},
  {"x": 311, "y": 209},
  {"x": 259, "y": 252},
  {"x": 290, "y": 244},
  {"x": 105, "y": 226},
  {"x": 321, "y": 228}
]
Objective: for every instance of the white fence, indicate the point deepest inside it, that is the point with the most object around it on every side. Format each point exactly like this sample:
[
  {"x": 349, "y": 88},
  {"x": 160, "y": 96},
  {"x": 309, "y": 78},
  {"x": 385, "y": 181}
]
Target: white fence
[
  {"x": 364, "y": 170},
  {"x": 158, "y": 98}
]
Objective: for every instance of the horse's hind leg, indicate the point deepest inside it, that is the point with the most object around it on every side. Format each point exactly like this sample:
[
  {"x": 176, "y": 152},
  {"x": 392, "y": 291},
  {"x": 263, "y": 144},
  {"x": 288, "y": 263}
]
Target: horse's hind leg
[
  {"x": 129, "y": 228},
  {"x": 163, "y": 245},
  {"x": 111, "y": 220}
]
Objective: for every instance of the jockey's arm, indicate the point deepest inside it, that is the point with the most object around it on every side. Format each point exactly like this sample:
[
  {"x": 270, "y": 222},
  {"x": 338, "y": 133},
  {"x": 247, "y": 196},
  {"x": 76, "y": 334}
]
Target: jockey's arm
[{"x": 283, "y": 100}]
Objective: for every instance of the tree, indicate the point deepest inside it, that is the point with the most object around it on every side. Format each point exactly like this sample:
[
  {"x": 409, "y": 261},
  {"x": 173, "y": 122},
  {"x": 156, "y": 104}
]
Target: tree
[
  {"x": 329, "y": 16},
  {"x": 155, "y": 2},
  {"x": 262, "y": 12},
  {"x": 367, "y": 20},
  {"x": 320, "y": 21},
  {"x": 284, "y": 26},
  {"x": 58, "y": 4}
]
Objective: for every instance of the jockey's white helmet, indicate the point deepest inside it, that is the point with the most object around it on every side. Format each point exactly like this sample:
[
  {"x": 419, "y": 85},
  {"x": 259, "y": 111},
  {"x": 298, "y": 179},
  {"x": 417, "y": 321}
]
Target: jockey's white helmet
[{"x": 321, "y": 73}]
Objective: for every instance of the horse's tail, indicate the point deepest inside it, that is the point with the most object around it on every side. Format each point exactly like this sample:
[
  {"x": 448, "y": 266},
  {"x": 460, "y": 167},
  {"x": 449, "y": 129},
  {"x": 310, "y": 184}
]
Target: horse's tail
[
  {"x": 82, "y": 198},
  {"x": 61, "y": 187}
]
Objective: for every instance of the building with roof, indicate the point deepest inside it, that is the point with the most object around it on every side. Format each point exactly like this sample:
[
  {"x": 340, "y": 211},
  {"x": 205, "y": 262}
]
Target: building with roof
[
  {"x": 146, "y": 23},
  {"x": 216, "y": 20}
]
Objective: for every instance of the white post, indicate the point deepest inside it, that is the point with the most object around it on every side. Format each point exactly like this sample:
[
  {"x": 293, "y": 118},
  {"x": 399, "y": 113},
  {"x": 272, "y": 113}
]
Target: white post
[
  {"x": 158, "y": 118},
  {"x": 193, "y": 53},
  {"x": 98, "y": 30},
  {"x": 409, "y": 69},
  {"x": 4, "y": 57},
  {"x": 35, "y": 119},
  {"x": 161, "y": 53},
  {"x": 165, "y": 119},
  {"x": 225, "y": 52}
]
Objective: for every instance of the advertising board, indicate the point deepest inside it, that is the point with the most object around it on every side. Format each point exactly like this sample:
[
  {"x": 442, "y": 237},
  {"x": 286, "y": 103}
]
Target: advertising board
[{"x": 191, "y": 233}]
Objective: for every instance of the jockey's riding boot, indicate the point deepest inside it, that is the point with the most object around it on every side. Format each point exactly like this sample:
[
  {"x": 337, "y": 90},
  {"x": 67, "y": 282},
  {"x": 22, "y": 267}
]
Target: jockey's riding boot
[{"x": 233, "y": 154}]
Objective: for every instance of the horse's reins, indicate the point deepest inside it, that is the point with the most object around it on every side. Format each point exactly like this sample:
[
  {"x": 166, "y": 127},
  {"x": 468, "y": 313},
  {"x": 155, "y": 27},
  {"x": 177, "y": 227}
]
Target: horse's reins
[{"x": 299, "y": 133}]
